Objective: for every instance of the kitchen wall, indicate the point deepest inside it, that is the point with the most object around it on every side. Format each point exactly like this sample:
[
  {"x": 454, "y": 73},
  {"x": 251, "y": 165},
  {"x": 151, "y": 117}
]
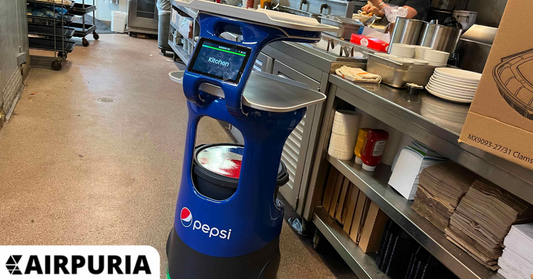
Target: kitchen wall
[
  {"x": 489, "y": 11},
  {"x": 104, "y": 7},
  {"x": 13, "y": 41}
]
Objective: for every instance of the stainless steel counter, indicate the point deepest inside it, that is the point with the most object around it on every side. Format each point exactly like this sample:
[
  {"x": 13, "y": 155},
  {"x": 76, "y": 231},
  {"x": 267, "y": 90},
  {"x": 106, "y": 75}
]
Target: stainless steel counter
[
  {"x": 409, "y": 116},
  {"x": 312, "y": 55}
]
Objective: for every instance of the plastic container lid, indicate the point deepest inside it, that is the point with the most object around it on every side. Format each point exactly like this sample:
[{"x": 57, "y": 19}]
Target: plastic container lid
[
  {"x": 358, "y": 160},
  {"x": 368, "y": 168},
  {"x": 221, "y": 164}
]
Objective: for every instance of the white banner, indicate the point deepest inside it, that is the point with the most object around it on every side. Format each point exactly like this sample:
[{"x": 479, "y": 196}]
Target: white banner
[{"x": 79, "y": 262}]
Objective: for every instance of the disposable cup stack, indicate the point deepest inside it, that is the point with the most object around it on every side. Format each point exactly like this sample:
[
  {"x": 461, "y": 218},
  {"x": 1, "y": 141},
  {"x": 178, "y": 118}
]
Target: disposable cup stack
[{"x": 343, "y": 134}]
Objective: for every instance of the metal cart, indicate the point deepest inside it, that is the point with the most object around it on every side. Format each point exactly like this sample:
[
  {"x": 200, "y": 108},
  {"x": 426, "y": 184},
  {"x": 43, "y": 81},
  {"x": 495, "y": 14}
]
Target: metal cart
[
  {"x": 82, "y": 29},
  {"x": 49, "y": 30}
]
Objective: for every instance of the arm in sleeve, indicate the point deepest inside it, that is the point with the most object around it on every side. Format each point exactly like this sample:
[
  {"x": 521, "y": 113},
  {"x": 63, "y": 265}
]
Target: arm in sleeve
[{"x": 421, "y": 7}]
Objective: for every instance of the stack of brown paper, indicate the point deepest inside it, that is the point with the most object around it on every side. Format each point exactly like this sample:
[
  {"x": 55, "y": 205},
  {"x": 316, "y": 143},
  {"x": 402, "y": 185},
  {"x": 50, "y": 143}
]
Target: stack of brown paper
[
  {"x": 482, "y": 220},
  {"x": 441, "y": 188}
]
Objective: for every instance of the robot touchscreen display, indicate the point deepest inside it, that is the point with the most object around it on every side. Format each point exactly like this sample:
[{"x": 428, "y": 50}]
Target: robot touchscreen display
[{"x": 219, "y": 60}]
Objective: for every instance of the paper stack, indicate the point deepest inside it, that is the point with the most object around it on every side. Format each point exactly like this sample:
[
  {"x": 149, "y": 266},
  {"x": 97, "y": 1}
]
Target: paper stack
[
  {"x": 413, "y": 158},
  {"x": 482, "y": 220},
  {"x": 440, "y": 189},
  {"x": 517, "y": 258}
]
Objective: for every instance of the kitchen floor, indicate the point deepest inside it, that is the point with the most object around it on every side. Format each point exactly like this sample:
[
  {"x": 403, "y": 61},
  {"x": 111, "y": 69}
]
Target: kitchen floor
[{"x": 92, "y": 155}]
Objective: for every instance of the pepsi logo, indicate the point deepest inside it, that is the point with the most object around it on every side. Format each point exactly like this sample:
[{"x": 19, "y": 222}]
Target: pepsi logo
[{"x": 186, "y": 217}]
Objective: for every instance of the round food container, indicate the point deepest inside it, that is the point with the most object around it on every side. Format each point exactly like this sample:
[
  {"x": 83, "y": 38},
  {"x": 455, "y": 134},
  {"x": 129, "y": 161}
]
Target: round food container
[{"x": 217, "y": 167}]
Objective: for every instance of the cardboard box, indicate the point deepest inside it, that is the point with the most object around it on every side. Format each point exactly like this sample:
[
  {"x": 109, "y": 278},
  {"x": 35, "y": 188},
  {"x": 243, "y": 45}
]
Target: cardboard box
[
  {"x": 350, "y": 211},
  {"x": 330, "y": 186},
  {"x": 342, "y": 199},
  {"x": 359, "y": 217},
  {"x": 373, "y": 229},
  {"x": 500, "y": 120},
  {"x": 336, "y": 194}
]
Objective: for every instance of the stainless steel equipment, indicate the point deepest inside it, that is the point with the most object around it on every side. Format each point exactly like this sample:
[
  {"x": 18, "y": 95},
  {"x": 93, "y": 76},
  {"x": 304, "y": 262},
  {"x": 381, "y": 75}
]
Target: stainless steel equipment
[
  {"x": 474, "y": 47},
  {"x": 330, "y": 7},
  {"x": 481, "y": 33},
  {"x": 466, "y": 18},
  {"x": 440, "y": 37},
  {"x": 142, "y": 17},
  {"x": 407, "y": 31},
  {"x": 346, "y": 26},
  {"x": 398, "y": 74}
]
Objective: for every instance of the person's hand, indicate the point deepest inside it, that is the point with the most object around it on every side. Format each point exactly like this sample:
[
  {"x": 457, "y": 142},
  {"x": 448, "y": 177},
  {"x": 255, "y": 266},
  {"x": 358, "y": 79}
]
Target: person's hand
[{"x": 371, "y": 9}]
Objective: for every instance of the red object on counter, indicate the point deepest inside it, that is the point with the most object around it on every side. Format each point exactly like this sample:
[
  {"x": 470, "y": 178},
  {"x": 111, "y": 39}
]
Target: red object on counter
[
  {"x": 373, "y": 151},
  {"x": 372, "y": 43}
]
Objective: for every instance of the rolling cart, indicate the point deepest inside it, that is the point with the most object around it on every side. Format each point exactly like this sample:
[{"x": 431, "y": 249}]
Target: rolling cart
[
  {"x": 48, "y": 29},
  {"x": 82, "y": 29},
  {"x": 237, "y": 236}
]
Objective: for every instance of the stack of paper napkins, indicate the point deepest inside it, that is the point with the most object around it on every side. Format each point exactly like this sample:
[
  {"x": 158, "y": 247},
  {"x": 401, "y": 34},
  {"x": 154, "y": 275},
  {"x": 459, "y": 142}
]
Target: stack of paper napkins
[
  {"x": 517, "y": 258},
  {"x": 441, "y": 188},
  {"x": 413, "y": 159},
  {"x": 482, "y": 220},
  {"x": 343, "y": 134}
]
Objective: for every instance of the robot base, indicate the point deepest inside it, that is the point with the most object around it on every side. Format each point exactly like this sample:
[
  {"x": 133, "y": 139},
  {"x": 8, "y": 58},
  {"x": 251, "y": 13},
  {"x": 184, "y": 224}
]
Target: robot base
[{"x": 186, "y": 263}]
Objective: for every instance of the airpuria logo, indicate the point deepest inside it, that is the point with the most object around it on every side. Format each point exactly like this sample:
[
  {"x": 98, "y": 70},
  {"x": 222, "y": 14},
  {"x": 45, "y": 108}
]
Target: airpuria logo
[
  {"x": 12, "y": 264},
  {"x": 80, "y": 261}
]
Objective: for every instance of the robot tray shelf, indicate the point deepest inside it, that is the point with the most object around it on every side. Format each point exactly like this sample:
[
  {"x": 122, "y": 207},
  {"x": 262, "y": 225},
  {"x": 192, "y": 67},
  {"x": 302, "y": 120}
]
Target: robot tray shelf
[
  {"x": 267, "y": 92},
  {"x": 263, "y": 16}
]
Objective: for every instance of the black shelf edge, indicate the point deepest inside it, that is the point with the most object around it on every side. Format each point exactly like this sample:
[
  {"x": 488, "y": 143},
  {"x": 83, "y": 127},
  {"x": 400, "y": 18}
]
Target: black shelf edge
[{"x": 48, "y": 30}]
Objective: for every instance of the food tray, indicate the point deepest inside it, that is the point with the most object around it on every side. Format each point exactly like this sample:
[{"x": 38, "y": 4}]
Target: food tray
[
  {"x": 67, "y": 19},
  {"x": 43, "y": 30},
  {"x": 263, "y": 16},
  {"x": 80, "y": 32},
  {"x": 48, "y": 44},
  {"x": 398, "y": 74},
  {"x": 81, "y": 9},
  {"x": 52, "y": 4}
]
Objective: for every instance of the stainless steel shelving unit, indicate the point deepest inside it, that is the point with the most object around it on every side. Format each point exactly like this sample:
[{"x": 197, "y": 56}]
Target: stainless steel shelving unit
[
  {"x": 179, "y": 49},
  {"x": 376, "y": 188},
  {"x": 402, "y": 112}
]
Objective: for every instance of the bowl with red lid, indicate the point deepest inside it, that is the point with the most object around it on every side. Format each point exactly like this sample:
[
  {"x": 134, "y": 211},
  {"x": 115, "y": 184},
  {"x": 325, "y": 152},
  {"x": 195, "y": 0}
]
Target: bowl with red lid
[{"x": 217, "y": 167}]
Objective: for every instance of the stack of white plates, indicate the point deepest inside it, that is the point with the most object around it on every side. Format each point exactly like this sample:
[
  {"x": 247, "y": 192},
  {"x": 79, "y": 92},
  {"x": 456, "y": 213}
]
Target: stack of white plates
[
  {"x": 454, "y": 84},
  {"x": 419, "y": 51},
  {"x": 449, "y": 115},
  {"x": 403, "y": 50},
  {"x": 436, "y": 57},
  {"x": 343, "y": 134}
]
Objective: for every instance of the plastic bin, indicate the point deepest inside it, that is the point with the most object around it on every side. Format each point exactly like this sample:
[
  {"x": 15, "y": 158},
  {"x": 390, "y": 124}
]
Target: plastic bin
[{"x": 118, "y": 21}]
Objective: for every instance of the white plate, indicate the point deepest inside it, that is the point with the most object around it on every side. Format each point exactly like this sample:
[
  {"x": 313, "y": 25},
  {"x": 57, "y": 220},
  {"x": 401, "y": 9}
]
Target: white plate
[
  {"x": 459, "y": 74},
  {"x": 452, "y": 88},
  {"x": 455, "y": 80},
  {"x": 436, "y": 56},
  {"x": 452, "y": 93},
  {"x": 444, "y": 82},
  {"x": 448, "y": 97}
]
